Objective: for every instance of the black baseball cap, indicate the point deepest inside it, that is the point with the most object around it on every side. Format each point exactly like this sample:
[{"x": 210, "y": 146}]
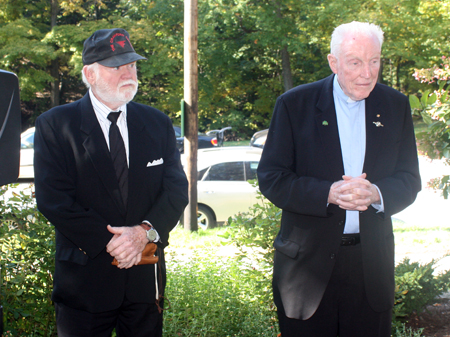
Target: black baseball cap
[{"x": 110, "y": 48}]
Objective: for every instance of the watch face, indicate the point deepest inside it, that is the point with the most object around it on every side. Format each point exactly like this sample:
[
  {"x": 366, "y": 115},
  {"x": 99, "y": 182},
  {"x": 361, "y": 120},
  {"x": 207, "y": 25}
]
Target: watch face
[{"x": 151, "y": 235}]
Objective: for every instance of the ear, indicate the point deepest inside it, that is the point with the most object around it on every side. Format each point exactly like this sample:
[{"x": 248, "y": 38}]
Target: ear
[
  {"x": 89, "y": 73},
  {"x": 332, "y": 61}
]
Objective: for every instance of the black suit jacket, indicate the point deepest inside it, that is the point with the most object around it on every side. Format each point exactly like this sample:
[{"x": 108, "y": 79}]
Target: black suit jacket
[
  {"x": 78, "y": 192},
  {"x": 301, "y": 160}
]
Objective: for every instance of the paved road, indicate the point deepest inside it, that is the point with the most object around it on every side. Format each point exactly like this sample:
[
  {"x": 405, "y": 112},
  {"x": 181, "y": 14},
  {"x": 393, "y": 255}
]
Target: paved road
[{"x": 429, "y": 210}]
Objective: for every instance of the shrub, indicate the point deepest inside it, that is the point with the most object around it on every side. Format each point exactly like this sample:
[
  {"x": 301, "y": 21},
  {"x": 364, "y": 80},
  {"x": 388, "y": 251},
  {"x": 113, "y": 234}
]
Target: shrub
[
  {"x": 434, "y": 108},
  {"x": 214, "y": 297},
  {"x": 403, "y": 331},
  {"x": 416, "y": 287},
  {"x": 253, "y": 234},
  {"x": 27, "y": 262}
]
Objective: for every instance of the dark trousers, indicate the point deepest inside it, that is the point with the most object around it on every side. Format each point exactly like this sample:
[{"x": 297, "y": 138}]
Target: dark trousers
[
  {"x": 130, "y": 320},
  {"x": 344, "y": 310}
]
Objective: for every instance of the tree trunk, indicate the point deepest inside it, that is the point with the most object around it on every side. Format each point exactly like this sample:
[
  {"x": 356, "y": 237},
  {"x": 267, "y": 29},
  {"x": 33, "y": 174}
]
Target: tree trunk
[
  {"x": 54, "y": 95},
  {"x": 54, "y": 67},
  {"x": 191, "y": 109},
  {"x": 286, "y": 69},
  {"x": 380, "y": 72}
]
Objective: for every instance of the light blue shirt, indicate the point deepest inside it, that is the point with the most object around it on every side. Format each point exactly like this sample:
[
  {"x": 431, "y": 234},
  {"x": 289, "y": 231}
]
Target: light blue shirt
[{"x": 351, "y": 120}]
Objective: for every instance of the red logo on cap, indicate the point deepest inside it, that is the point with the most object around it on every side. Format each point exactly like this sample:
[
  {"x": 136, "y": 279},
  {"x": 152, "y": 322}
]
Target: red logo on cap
[{"x": 121, "y": 43}]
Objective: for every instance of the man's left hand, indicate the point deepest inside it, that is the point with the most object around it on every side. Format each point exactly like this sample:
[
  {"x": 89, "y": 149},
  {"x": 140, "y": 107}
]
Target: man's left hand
[
  {"x": 127, "y": 245},
  {"x": 357, "y": 193}
]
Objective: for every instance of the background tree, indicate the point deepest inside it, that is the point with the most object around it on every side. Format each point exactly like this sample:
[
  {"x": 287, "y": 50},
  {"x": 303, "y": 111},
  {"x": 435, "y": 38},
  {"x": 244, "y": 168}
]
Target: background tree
[
  {"x": 250, "y": 51},
  {"x": 434, "y": 107}
]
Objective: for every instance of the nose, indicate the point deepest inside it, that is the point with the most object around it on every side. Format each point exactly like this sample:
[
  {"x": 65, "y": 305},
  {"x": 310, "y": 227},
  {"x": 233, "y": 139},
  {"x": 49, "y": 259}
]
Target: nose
[{"x": 366, "y": 71}]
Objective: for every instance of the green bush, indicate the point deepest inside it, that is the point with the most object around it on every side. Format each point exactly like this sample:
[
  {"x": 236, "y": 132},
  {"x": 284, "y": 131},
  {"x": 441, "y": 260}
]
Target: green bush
[
  {"x": 214, "y": 297},
  {"x": 416, "y": 287},
  {"x": 403, "y": 331},
  {"x": 253, "y": 234},
  {"x": 27, "y": 262}
]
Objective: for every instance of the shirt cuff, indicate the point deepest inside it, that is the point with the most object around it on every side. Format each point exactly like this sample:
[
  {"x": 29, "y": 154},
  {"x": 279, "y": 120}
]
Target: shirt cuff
[{"x": 379, "y": 207}]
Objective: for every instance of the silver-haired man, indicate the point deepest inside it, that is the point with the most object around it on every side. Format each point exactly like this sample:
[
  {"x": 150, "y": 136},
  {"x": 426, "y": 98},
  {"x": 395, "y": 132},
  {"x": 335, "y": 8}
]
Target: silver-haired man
[{"x": 340, "y": 159}]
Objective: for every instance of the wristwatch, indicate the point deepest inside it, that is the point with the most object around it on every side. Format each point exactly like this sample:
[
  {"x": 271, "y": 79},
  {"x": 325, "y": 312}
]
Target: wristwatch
[{"x": 152, "y": 234}]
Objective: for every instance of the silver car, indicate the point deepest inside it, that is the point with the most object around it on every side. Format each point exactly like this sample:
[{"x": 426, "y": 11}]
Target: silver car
[
  {"x": 26, "y": 170},
  {"x": 223, "y": 187}
]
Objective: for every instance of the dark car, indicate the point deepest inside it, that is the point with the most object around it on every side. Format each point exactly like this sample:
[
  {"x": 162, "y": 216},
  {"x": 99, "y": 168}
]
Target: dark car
[
  {"x": 204, "y": 141},
  {"x": 259, "y": 138}
]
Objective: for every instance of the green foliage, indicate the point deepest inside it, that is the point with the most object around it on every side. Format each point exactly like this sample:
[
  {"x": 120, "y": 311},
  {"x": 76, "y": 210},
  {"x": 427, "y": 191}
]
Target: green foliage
[
  {"x": 27, "y": 262},
  {"x": 253, "y": 234},
  {"x": 434, "y": 108},
  {"x": 241, "y": 43},
  {"x": 214, "y": 297},
  {"x": 417, "y": 287},
  {"x": 403, "y": 331}
]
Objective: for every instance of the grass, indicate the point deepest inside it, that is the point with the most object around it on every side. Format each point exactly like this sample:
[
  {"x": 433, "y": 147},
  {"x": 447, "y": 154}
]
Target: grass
[
  {"x": 180, "y": 238},
  {"x": 421, "y": 242}
]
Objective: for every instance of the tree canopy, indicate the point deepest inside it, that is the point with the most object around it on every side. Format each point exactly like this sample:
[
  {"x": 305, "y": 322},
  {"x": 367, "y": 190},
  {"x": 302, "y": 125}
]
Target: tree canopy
[{"x": 250, "y": 51}]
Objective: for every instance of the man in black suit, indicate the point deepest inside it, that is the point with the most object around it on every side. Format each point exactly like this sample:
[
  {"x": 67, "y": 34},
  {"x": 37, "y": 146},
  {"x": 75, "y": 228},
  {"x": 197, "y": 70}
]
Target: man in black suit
[
  {"x": 340, "y": 160},
  {"x": 108, "y": 177}
]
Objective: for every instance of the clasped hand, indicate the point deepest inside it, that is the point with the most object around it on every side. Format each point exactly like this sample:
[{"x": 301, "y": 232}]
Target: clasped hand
[
  {"x": 353, "y": 193},
  {"x": 127, "y": 245}
]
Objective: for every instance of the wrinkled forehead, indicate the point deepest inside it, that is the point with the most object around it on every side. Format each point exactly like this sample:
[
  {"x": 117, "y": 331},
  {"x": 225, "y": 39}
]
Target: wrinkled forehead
[{"x": 354, "y": 43}]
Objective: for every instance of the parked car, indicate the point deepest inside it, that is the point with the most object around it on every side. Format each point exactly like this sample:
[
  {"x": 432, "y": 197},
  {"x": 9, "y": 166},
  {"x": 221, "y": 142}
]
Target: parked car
[
  {"x": 223, "y": 188},
  {"x": 26, "y": 170},
  {"x": 259, "y": 138},
  {"x": 204, "y": 141},
  {"x": 27, "y": 149}
]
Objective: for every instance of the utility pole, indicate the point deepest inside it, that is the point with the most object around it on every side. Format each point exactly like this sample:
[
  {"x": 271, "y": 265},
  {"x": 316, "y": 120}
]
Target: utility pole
[{"x": 191, "y": 109}]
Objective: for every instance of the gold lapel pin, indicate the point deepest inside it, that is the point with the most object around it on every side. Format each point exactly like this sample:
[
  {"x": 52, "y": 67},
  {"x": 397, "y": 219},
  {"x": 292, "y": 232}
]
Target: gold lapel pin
[{"x": 378, "y": 124}]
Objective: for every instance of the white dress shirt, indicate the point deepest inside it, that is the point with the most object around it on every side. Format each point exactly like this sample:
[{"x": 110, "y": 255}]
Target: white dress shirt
[
  {"x": 102, "y": 112},
  {"x": 351, "y": 120}
]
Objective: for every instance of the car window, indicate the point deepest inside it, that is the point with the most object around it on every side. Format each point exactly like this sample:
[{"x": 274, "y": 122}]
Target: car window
[
  {"x": 177, "y": 131},
  {"x": 27, "y": 142},
  {"x": 226, "y": 172},
  {"x": 250, "y": 170},
  {"x": 201, "y": 173}
]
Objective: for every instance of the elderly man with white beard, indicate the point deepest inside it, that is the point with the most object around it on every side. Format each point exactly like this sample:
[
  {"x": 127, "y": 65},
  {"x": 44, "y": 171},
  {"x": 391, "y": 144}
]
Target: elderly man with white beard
[{"x": 108, "y": 177}]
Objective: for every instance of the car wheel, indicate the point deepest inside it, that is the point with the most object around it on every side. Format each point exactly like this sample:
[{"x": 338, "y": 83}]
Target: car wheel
[{"x": 205, "y": 218}]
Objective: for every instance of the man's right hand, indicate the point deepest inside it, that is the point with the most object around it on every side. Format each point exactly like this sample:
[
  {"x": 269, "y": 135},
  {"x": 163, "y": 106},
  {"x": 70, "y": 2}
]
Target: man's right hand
[
  {"x": 353, "y": 193},
  {"x": 127, "y": 245}
]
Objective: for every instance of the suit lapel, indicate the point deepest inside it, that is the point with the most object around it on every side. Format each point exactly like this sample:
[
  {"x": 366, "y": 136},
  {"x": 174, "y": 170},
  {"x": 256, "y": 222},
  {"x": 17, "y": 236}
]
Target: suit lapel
[
  {"x": 326, "y": 123},
  {"x": 374, "y": 129},
  {"x": 98, "y": 152}
]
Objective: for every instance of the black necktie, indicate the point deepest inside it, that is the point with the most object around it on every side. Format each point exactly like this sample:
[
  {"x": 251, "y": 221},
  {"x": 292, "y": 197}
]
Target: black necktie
[{"x": 118, "y": 155}]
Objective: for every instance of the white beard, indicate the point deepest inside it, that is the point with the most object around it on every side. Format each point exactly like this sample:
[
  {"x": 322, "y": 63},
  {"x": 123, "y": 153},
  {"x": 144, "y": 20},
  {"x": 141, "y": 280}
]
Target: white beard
[{"x": 116, "y": 96}]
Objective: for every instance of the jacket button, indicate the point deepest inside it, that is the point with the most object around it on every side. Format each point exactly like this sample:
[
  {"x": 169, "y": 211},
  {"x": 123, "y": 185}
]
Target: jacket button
[
  {"x": 332, "y": 256},
  {"x": 341, "y": 223}
]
